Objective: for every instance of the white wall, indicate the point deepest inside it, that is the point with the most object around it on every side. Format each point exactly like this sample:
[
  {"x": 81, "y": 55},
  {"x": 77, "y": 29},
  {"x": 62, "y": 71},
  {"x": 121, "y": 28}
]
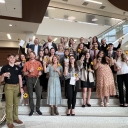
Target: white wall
[
  {"x": 68, "y": 29},
  {"x": 10, "y": 44}
]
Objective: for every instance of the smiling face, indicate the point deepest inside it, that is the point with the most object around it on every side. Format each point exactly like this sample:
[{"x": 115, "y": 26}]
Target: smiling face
[
  {"x": 52, "y": 51},
  {"x": 11, "y": 59},
  {"x": 119, "y": 52},
  {"x": 41, "y": 53},
  {"x": 54, "y": 60},
  {"x": 32, "y": 56},
  {"x": 72, "y": 59},
  {"x": 101, "y": 54},
  {"x": 87, "y": 55},
  {"x": 22, "y": 57},
  {"x": 81, "y": 46}
]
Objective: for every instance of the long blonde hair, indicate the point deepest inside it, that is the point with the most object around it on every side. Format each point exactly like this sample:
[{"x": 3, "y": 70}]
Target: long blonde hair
[{"x": 123, "y": 55}]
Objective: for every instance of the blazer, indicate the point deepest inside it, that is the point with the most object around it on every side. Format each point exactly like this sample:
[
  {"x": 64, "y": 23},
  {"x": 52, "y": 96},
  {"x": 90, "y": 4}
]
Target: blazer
[
  {"x": 53, "y": 44},
  {"x": 32, "y": 46},
  {"x": 92, "y": 53}
]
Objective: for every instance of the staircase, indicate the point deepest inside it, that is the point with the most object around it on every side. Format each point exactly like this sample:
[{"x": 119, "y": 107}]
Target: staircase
[{"x": 88, "y": 117}]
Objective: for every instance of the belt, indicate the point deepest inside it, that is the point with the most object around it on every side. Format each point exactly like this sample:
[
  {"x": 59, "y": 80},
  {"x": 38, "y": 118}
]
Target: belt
[{"x": 12, "y": 84}]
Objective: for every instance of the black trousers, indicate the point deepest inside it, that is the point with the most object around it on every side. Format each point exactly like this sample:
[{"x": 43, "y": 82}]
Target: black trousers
[
  {"x": 120, "y": 80},
  {"x": 71, "y": 93}
]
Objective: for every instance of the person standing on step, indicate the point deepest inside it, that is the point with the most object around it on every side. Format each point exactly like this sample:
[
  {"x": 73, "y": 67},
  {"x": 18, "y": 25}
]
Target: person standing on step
[
  {"x": 121, "y": 66},
  {"x": 105, "y": 86},
  {"x": 55, "y": 70},
  {"x": 87, "y": 77},
  {"x": 11, "y": 74},
  {"x": 72, "y": 75},
  {"x": 31, "y": 71}
]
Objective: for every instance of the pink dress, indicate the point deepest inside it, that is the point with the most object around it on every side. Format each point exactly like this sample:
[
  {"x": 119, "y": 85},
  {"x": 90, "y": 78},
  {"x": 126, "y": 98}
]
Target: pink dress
[{"x": 105, "y": 85}]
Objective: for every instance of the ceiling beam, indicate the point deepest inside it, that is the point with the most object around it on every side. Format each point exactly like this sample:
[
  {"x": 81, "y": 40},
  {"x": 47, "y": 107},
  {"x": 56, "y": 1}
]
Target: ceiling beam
[{"x": 32, "y": 11}]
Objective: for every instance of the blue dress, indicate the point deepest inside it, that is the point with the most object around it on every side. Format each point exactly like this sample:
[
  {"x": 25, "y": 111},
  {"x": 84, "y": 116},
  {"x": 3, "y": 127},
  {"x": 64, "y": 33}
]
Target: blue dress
[{"x": 54, "y": 87}]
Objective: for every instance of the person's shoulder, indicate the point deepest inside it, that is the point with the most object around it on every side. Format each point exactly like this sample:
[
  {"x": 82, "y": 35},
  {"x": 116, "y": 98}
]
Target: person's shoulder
[{"x": 5, "y": 66}]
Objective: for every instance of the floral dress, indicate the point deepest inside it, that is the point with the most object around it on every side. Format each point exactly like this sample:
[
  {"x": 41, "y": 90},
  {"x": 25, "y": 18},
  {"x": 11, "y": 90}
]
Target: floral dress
[
  {"x": 54, "y": 87},
  {"x": 104, "y": 81}
]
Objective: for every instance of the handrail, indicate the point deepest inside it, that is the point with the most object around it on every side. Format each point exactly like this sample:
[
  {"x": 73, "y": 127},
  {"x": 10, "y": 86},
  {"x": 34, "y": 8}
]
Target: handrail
[{"x": 112, "y": 27}]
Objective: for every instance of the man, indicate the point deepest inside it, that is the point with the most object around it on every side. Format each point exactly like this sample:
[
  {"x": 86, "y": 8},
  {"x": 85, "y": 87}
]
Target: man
[
  {"x": 50, "y": 44},
  {"x": 11, "y": 74},
  {"x": 112, "y": 55},
  {"x": 94, "y": 51},
  {"x": 31, "y": 71},
  {"x": 82, "y": 41},
  {"x": 35, "y": 47},
  {"x": 104, "y": 46}
]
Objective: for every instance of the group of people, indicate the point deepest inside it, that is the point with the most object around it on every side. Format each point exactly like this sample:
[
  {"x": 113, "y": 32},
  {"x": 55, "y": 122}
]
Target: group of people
[{"x": 89, "y": 64}]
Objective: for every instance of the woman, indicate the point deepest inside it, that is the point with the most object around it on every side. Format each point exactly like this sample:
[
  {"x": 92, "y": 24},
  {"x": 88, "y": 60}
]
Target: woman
[
  {"x": 40, "y": 58},
  {"x": 21, "y": 65},
  {"x": 60, "y": 51},
  {"x": 87, "y": 78},
  {"x": 95, "y": 40},
  {"x": 105, "y": 86},
  {"x": 52, "y": 53},
  {"x": 122, "y": 76},
  {"x": 71, "y": 73},
  {"x": 46, "y": 52},
  {"x": 54, "y": 89}
]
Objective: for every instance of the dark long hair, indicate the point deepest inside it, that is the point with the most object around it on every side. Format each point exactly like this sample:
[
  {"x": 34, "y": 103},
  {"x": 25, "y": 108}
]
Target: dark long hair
[
  {"x": 44, "y": 52},
  {"x": 103, "y": 60},
  {"x": 75, "y": 64},
  {"x": 88, "y": 64},
  {"x": 50, "y": 51}
]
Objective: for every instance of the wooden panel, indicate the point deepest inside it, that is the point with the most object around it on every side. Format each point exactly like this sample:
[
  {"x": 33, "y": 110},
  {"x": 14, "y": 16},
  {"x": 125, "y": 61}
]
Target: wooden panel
[
  {"x": 4, "y": 52},
  {"x": 32, "y": 11},
  {"x": 121, "y": 4}
]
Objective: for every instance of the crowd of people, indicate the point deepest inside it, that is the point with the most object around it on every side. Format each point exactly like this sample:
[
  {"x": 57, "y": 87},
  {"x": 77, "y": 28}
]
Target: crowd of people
[{"x": 90, "y": 65}]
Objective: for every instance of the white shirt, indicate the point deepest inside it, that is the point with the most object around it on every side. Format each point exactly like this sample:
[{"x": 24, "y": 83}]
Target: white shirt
[
  {"x": 36, "y": 49},
  {"x": 122, "y": 65},
  {"x": 50, "y": 45}
]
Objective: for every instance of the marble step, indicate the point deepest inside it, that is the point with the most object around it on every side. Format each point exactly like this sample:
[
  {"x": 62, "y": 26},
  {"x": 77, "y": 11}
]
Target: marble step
[
  {"x": 79, "y": 95},
  {"x": 72, "y": 122},
  {"x": 87, "y": 111},
  {"x": 79, "y": 102}
]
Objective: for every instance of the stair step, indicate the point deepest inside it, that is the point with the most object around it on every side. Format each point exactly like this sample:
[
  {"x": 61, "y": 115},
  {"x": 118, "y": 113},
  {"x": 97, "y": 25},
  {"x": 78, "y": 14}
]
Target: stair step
[
  {"x": 93, "y": 102},
  {"x": 87, "y": 111},
  {"x": 72, "y": 122}
]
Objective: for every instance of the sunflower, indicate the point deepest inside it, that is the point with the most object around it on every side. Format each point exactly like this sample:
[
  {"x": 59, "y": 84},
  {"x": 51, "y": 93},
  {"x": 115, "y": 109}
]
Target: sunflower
[
  {"x": 39, "y": 69},
  {"x": 96, "y": 48},
  {"x": 24, "y": 60},
  {"x": 108, "y": 48},
  {"x": 91, "y": 63},
  {"x": 25, "y": 95},
  {"x": 76, "y": 75},
  {"x": 67, "y": 57},
  {"x": 45, "y": 59},
  {"x": 59, "y": 64},
  {"x": 126, "y": 52},
  {"x": 79, "y": 50},
  {"x": 122, "y": 37}
]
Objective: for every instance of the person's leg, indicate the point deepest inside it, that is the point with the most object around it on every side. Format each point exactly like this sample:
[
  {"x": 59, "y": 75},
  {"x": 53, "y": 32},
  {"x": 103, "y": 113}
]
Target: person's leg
[
  {"x": 30, "y": 92},
  {"x": 89, "y": 95},
  {"x": 15, "y": 102},
  {"x": 84, "y": 95},
  {"x": 125, "y": 78},
  {"x": 26, "y": 91},
  {"x": 9, "y": 103},
  {"x": 107, "y": 101},
  {"x": 116, "y": 86},
  {"x": 120, "y": 87},
  {"x": 38, "y": 94},
  {"x": 69, "y": 96},
  {"x": 74, "y": 96}
]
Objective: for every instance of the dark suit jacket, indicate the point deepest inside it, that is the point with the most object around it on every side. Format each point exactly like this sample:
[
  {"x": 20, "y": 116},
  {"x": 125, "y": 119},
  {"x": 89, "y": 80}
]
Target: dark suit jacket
[
  {"x": 54, "y": 46},
  {"x": 105, "y": 48},
  {"x": 32, "y": 46}
]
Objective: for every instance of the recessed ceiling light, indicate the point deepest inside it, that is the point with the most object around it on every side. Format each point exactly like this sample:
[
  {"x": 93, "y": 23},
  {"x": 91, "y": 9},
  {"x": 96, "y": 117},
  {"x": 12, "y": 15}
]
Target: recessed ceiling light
[
  {"x": 9, "y": 36},
  {"x": 10, "y": 24},
  {"x": 75, "y": 40},
  {"x": 71, "y": 18},
  {"x": 115, "y": 19},
  {"x": 94, "y": 19},
  {"x": 2, "y": 1},
  {"x": 126, "y": 46},
  {"x": 55, "y": 39},
  {"x": 93, "y": 1}
]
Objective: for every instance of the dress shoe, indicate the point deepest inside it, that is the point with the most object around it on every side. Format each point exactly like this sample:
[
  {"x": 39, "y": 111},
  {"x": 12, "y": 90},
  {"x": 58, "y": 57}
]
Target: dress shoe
[
  {"x": 10, "y": 125},
  {"x": 18, "y": 121},
  {"x": 83, "y": 105}
]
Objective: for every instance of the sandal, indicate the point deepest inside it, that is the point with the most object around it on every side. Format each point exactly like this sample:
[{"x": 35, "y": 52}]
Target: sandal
[
  {"x": 106, "y": 104},
  {"x": 102, "y": 104}
]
